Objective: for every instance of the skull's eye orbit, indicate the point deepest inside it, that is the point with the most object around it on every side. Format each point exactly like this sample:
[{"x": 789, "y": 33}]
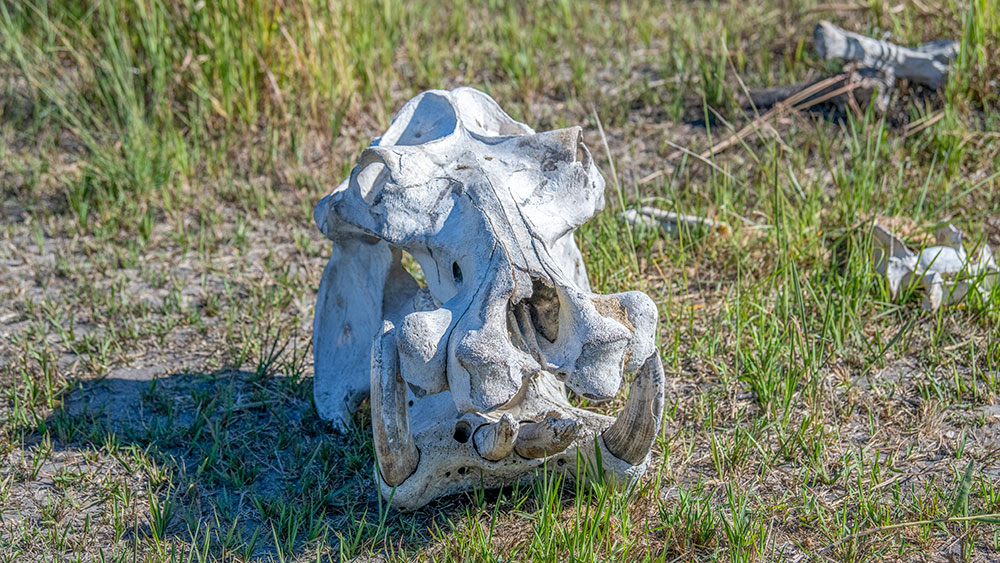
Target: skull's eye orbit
[{"x": 456, "y": 274}]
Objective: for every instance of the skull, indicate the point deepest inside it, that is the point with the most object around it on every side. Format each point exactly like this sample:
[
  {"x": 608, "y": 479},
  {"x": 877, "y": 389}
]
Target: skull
[{"x": 468, "y": 371}]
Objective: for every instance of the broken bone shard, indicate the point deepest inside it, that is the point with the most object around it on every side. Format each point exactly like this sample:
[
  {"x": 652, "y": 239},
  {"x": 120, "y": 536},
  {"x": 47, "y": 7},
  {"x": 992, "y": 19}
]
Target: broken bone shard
[
  {"x": 469, "y": 370},
  {"x": 672, "y": 223},
  {"x": 945, "y": 272}
]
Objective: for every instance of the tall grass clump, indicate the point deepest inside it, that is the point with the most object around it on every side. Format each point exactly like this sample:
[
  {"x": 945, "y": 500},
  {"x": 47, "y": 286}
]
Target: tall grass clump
[
  {"x": 972, "y": 96},
  {"x": 978, "y": 65},
  {"x": 160, "y": 91}
]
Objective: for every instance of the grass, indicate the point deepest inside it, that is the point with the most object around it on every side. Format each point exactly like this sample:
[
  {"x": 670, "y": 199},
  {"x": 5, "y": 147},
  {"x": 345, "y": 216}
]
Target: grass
[{"x": 159, "y": 161}]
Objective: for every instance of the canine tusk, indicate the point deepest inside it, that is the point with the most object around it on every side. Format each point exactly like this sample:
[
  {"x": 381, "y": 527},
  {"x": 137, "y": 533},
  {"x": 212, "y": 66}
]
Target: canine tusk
[
  {"x": 631, "y": 437},
  {"x": 397, "y": 455}
]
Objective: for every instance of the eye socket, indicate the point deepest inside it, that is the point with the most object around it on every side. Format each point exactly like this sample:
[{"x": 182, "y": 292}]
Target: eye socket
[{"x": 456, "y": 274}]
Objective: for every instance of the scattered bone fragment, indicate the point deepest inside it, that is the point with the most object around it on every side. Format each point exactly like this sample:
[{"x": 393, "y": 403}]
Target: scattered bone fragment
[
  {"x": 945, "y": 271},
  {"x": 927, "y": 64},
  {"x": 880, "y": 63},
  {"x": 673, "y": 223},
  {"x": 469, "y": 372},
  {"x": 870, "y": 77}
]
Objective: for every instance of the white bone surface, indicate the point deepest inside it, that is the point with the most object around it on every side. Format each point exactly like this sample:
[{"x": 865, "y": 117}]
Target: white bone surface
[
  {"x": 945, "y": 272},
  {"x": 469, "y": 368}
]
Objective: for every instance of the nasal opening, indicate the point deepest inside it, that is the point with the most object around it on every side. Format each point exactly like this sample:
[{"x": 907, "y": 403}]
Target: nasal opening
[{"x": 534, "y": 320}]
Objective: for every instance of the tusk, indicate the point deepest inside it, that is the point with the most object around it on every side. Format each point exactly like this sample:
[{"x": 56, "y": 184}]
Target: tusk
[
  {"x": 541, "y": 439},
  {"x": 397, "y": 455},
  {"x": 631, "y": 437},
  {"x": 495, "y": 441}
]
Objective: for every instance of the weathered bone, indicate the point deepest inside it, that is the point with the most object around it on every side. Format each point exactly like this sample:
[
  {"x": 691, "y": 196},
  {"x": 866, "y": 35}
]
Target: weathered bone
[
  {"x": 673, "y": 223},
  {"x": 870, "y": 76},
  {"x": 881, "y": 63},
  {"x": 927, "y": 64},
  {"x": 469, "y": 373}
]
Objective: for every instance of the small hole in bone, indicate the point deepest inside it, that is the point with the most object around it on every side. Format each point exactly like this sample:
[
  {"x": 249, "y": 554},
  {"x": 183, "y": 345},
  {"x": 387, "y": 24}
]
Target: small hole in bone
[
  {"x": 456, "y": 273},
  {"x": 463, "y": 431},
  {"x": 561, "y": 462},
  {"x": 462, "y": 470}
]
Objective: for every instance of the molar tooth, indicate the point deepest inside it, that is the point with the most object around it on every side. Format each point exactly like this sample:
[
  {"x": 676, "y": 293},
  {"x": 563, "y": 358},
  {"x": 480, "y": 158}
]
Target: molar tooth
[
  {"x": 545, "y": 438},
  {"x": 397, "y": 454},
  {"x": 495, "y": 441},
  {"x": 631, "y": 437}
]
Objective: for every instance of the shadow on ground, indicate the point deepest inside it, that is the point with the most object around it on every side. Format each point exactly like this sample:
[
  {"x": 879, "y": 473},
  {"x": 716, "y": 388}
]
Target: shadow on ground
[{"x": 240, "y": 456}]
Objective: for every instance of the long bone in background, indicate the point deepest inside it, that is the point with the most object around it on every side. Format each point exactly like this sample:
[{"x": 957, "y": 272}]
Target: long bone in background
[
  {"x": 873, "y": 68},
  {"x": 468, "y": 371}
]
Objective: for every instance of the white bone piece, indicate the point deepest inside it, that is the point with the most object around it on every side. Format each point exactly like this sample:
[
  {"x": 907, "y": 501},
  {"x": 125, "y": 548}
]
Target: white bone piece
[
  {"x": 672, "y": 223},
  {"x": 945, "y": 271},
  {"x": 880, "y": 63},
  {"x": 927, "y": 64},
  {"x": 469, "y": 371}
]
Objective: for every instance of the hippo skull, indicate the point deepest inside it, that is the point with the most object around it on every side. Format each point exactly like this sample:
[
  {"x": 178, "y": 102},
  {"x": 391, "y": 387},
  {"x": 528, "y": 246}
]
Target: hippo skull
[{"x": 468, "y": 369}]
